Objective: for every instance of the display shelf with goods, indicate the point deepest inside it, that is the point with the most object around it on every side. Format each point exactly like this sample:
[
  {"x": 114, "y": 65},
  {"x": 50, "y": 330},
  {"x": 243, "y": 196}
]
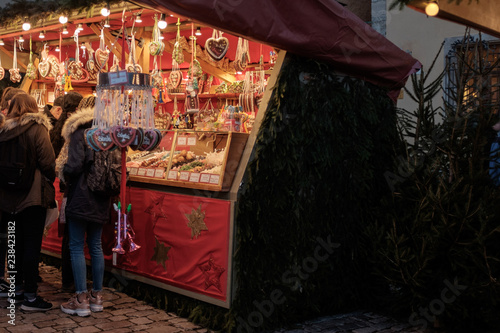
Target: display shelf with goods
[{"x": 191, "y": 159}]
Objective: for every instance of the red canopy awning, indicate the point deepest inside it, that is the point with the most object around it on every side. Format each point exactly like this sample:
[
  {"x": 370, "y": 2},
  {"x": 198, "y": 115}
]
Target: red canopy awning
[{"x": 318, "y": 29}]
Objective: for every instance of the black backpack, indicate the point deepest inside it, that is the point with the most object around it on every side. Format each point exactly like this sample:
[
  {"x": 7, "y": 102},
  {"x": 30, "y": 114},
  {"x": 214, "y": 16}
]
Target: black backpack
[
  {"x": 104, "y": 173},
  {"x": 17, "y": 164}
]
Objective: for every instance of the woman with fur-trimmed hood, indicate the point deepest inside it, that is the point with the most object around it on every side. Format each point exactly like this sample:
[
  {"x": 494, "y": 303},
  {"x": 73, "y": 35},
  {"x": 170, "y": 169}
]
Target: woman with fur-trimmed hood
[
  {"x": 28, "y": 208},
  {"x": 86, "y": 212}
]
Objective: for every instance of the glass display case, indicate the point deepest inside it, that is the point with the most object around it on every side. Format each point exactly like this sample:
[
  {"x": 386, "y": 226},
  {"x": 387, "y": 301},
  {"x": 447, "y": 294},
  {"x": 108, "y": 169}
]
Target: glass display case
[{"x": 190, "y": 159}]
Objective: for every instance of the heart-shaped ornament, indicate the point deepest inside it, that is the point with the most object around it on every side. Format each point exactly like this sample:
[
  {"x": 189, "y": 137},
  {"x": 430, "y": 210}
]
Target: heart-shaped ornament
[
  {"x": 217, "y": 47},
  {"x": 131, "y": 68},
  {"x": 101, "y": 57},
  {"x": 175, "y": 78},
  {"x": 102, "y": 139},
  {"x": 154, "y": 48},
  {"x": 149, "y": 140},
  {"x": 2, "y": 73},
  {"x": 139, "y": 137},
  {"x": 123, "y": 136},
  {"x": 89, "y": 138},
  {"x": 44, "y": 68}
]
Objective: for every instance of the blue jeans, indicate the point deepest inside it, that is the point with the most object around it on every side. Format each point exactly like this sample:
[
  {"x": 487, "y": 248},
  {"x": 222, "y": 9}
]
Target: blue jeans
[{"x": 77, "y": 230}]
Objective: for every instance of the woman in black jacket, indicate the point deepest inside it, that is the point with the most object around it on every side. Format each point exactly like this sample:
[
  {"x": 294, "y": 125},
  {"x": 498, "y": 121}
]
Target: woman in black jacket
[
  {"x": 27, "y": 209},
  {"x": 86, "y": 212}
]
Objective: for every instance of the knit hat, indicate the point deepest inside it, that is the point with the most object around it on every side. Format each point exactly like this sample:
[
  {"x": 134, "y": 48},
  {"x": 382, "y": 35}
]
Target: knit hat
[{"x": 71, "y": 101}]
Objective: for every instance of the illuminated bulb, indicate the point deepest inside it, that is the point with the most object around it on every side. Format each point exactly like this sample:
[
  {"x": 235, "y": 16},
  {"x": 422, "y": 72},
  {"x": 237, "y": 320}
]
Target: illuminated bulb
[
  {"x": 80, "y": 27},
  {"x": 1, "y": 42},
  {"x": 161, "y": 37},
  {"x": 65, "y": 31},
  {"x": 83, "y": 47},
  {"x": 21, "y": 39},
  {"x": 162, "y": 24},
  {"x": 26, "y": 25},
  {"x": 106, "y": 23},
  {"x": 41, "y": 35},
  {"x": 432, "y": 8},
  {"x": 105, "y": 11},
  {"x": 57, "y": 49},
  {"x": 198, "y": 32},
  {"x": 138, "y": 18},
  {"x": 63, "y": 19}
]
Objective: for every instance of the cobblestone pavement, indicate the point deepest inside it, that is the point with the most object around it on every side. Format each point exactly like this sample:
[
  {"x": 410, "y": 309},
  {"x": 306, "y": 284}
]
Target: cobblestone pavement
[{"x": 126, "y": 314}]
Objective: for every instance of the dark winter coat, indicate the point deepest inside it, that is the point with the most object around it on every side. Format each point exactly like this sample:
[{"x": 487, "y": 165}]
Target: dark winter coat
[
  {"x": 75, "y": 159},
  {"x": 42, "y": 193}
]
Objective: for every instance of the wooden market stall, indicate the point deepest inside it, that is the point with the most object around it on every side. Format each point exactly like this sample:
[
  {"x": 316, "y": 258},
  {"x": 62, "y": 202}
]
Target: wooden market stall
[{"x": 184, "y": 185}]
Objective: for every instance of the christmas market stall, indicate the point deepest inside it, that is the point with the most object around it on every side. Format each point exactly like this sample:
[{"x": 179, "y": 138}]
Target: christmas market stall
[{"x": 184, "y": 89}]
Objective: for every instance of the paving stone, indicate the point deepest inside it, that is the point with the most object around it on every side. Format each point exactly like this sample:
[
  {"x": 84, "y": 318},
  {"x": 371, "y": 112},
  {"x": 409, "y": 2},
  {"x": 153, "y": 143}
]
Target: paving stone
[
  {"x": 87, "y": 329},
  {"x": 114, "y": 325},
  {"x": 141, "y": 320}
]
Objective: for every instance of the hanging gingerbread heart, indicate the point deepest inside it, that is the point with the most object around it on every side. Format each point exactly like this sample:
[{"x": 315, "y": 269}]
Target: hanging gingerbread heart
[
  {"x": 44, "y": 68},
  {"x": 77, "y": 72},
  {"x": 139, "y": 137},
  {"x": 101, "y": 57},
  {"x": 54, "y": 66},
  {"x": 175, "y": 78},
  {"x": 149, "y": 140},
  {"x": 89, "y": 138},
  {"x": 131, "y": 68},
  {"x": 217, "y": 45},
  {"x": 123, "y": 136},
  {"x": 2, "y": 73},
  {"x": 102, "y": 139}
]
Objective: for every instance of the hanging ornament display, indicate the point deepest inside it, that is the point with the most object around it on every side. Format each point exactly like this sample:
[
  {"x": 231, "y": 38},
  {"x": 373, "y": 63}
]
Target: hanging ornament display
[
  {"x": 217, "y": 45},
  {"x": 14, "y": 71},
  {"x": 31, "y": 69},
  {"x": 156, "y": 46},
  {"x": 121, "y": 112},
  {"x": 177, "y": 54},
  {"x": 242, "y": 57}
]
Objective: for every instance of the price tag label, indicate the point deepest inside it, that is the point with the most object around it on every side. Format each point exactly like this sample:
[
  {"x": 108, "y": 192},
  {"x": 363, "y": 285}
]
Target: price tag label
[
  {"x": 141, "y": 172},
  {"x": 159, "y": 173},
  {"x": 181, "y": 140},
  {"x": 184, "y": 176},
  {"x": 150, "y": 172},
  {"x": 133, "y": 171},
  {"x": 117, "y": 78},
  {"x": 191, "y": 141},
  {"x": 214, "y": 179},
  {"x": 172, "y": 174},
  {"x": 194, "y": 177},
  {"x": 205, "y": 178}
]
